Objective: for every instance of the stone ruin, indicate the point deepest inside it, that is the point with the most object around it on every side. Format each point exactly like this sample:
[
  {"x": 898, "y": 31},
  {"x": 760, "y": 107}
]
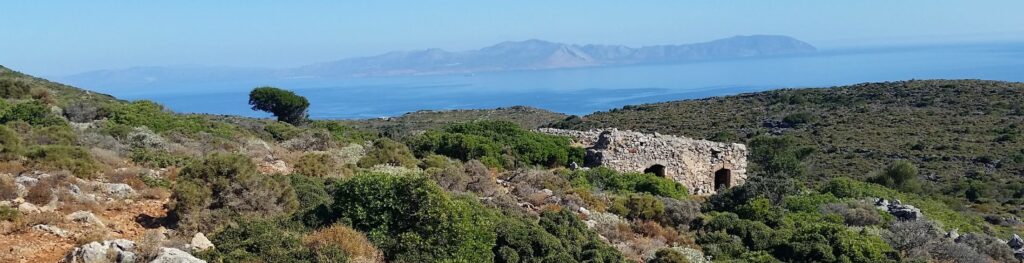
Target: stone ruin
[{"x": 704, "y": 167}]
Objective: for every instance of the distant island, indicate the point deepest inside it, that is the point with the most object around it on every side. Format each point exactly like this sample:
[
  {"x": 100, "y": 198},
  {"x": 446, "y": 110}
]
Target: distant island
[{"x": 506, "y": 56}]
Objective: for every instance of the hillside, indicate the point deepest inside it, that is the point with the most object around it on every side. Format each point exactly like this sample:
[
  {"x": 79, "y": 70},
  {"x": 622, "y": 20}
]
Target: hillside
[
  {"x": 962, "y": 134},
  {"x": 84, "y": 175}
]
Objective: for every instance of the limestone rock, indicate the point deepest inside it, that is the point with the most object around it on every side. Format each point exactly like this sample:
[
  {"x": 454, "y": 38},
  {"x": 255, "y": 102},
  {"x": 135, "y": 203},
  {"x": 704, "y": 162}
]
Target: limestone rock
[
  {"x": 28, "y": 208},
  {"x": 1015, "y": 242},
  {"x": 173, "y": 255},
  {"x": 119, "y": 191},
  {"x": 52, "y": 230},
  {"x": 85, "y": 217},
  {"x": 97, "y": 252},
  {"x": 200, "y": 243}
]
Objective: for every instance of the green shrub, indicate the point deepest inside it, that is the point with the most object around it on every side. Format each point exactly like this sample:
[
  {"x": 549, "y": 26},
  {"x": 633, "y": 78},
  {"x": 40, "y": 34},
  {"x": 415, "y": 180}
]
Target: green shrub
[
  {"x": 580, "y": 242},
  {"x": 844, "y": 187},
  {"x": 665, "y": 255},
  {"x": 313, "y": 199},
  {"x": 611, "y": 180},
  {"x": 638, "y": 206},
  {"x": 497, "y": 143},
  {"x": 33, "y": 112},
  {"x": 222, "y": 188},
  {"x": 124, "y": 117},
  {"x": 799, "y": 118},
  {"x": 523, "y": 240},
  {"x": 411, "y": 219},
  {"x": 281, "y": 131},
  {"x": 76, "y": 160},
  {"x": 8, "y": 213},
  {"x": 14, "y": 89},
  {"x": 777, "y": 156},
  {"x": 59, "y": 134},
  {"x": 342, "y": 133},
  {"x": 258, "y": 241},
  {"x": 900, "y": 175},
  {"x": 10, "y": 144},
  {"x": 389, "y": 152},
  {"x": 315, "y": 164}
]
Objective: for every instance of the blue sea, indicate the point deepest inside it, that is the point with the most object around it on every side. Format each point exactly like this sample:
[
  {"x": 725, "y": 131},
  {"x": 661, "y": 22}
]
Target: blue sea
[{"x": 586, "y": 90}]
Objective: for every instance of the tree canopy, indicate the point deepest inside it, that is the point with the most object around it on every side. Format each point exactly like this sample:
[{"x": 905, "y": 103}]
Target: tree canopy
[{"x": 285, "y": 105}]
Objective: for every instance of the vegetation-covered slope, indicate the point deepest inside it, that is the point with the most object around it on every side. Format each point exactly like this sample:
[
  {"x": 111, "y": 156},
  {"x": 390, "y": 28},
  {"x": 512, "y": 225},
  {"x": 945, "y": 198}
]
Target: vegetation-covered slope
[{"x": 964, "y": 135}]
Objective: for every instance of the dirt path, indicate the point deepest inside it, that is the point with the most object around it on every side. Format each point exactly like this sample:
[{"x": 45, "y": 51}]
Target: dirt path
[{"x": 36, "y": 246}]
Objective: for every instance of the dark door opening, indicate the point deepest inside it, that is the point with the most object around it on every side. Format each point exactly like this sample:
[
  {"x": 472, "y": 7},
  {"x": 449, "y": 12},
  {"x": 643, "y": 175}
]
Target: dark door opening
[
  {"x": 656, "y": 169},
  {"x": 723, "y": 179}
]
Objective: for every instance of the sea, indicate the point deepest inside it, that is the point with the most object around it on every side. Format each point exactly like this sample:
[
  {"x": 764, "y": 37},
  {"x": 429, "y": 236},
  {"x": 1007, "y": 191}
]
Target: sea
[{"x": 581, "y": 91}]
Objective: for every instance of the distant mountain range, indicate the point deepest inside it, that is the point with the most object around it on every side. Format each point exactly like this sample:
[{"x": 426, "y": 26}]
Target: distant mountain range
[{"x": 513, "y": 55}]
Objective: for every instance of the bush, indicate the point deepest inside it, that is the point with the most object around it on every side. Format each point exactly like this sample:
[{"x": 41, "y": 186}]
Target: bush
[
  {"x": 354, "y": 244},
  {"x": 14, "y": 89},
  {"x": 284, "y": 104},
  {"x": 795, "y": 119},
  {"x": 900, "y": 175},
  {"x": 523, "y": 240},
  {"x": 281, "y": 131},
  {"x": 611, "y": 180},
  {"x": 73, "y": 159},
  {"x": 10, "y": 144},
  {"x": 257, "y": 241},
  {"x": 637, "y": 206},
  {"x": 125, "y": 117},
  {"x": 580, "y": 242},
  {"x": 157, "y": 158},
  {"x": 855, "y": 213},
  {"x": 774, "y": 189},
  {"x": 389, "y": 152},
  {"x": 411, "y": 219},
  {"x": 62, "y": 135},
  {"x": 680, "y": 213},
  {"x": 668, "y": 256},
  {"x": 222, "y": 188},
  {"x": 497, "y": 144},
  {"x": 84, "y": 111},
  {"x": 777, "y": 156},
  {"x": 32, "y": 112},
  {"x": 316, "y": 164}
]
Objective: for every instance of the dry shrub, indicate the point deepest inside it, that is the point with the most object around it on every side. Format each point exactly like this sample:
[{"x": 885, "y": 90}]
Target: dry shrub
[
  {"x": 127, "y": 176},
  {"x": 107, "y": 157},
  {"x": 43, "y": 218},
  {"x": 354, "y": 243},
  {"x": 654, "y": 230},
  {"x": 92, "y": 234},
  {"x": 8, "y": 189},
  {"x": 42, "y": 192},
  {"x": 155, "y": 193},
  {"x": 12, "y": 167},
  {"x": 42, "y": 94}
]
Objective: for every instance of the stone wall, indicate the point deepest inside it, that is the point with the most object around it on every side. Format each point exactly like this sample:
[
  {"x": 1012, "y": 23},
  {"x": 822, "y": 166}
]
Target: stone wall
[{"x": 700, "y": 165}]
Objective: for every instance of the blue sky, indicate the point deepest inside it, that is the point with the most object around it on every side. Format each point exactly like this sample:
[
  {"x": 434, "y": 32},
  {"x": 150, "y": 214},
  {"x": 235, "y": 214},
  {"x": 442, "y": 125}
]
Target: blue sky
[{"x": 64, "y": 37}]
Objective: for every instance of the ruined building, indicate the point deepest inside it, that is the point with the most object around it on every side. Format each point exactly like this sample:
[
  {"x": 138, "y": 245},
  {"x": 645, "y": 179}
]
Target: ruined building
[{"x": 702, "y": 166}]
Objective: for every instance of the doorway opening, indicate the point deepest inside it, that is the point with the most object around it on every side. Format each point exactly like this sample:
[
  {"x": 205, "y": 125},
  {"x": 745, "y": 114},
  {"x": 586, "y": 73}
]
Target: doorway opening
[{"x": 723, "y": 179}]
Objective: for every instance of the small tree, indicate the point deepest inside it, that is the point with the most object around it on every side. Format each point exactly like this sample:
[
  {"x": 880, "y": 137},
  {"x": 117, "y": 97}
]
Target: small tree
[{"x": 284, "y": 104}]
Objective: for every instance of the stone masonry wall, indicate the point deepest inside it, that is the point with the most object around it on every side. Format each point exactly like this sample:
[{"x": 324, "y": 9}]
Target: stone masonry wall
[{"x": 693, "y": 163}]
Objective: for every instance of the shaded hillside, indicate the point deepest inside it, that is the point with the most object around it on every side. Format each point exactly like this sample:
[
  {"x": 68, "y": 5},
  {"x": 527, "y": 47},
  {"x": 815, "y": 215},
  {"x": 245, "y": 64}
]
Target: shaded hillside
[{"x": 957, "y": 131}]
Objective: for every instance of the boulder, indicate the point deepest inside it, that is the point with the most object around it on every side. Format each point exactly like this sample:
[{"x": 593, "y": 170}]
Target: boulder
[
  {"x": 905, "y": 212},
  {"x": 200, "y": 243},
  {"x": 28, "y": 208},
  {"x": 85, "y": 217},
  {"x": 119, "y": 191},
  {"x": 52, "y": 230},
  {"x": 1015, "y": 242},
  {"x": 173, "y": 255},
  {"x": 118, "y": 250}
]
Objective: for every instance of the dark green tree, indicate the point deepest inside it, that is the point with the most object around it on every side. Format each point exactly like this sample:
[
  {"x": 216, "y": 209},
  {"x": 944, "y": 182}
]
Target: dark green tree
[{"x": 286, "y": 105}]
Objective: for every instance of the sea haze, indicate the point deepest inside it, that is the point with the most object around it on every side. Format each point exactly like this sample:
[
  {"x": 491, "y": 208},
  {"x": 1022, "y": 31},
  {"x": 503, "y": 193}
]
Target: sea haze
[{"x": 585, "y": 90}]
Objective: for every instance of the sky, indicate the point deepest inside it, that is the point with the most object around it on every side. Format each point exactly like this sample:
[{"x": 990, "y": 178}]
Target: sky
[{"x": 54, "y": 38}]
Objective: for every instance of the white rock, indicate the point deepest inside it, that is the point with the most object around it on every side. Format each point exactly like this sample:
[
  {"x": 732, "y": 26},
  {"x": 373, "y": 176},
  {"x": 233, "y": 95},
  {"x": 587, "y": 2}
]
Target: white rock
[
  {"x": 119, "y": 191},
  {"x": 173, "y": 255},
  {"x": 200, "y": 242},
  {"x": 51, "y": 229},
  {"x": 96, "y": 252},
  {"x": 28, "y": 208},
  {"x": 85, "y": 217}
]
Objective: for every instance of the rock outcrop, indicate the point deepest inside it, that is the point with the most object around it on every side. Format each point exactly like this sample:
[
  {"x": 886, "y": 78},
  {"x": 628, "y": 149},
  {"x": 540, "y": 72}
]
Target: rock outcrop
[
  {"x": 702, "y": 166},
  {"x": 899, "y": 210},
  {"x": 123, "y": 251}
]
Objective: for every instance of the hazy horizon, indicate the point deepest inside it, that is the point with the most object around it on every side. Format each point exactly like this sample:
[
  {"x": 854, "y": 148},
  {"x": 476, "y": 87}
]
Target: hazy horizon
[{"x": 71, "y": 37}]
